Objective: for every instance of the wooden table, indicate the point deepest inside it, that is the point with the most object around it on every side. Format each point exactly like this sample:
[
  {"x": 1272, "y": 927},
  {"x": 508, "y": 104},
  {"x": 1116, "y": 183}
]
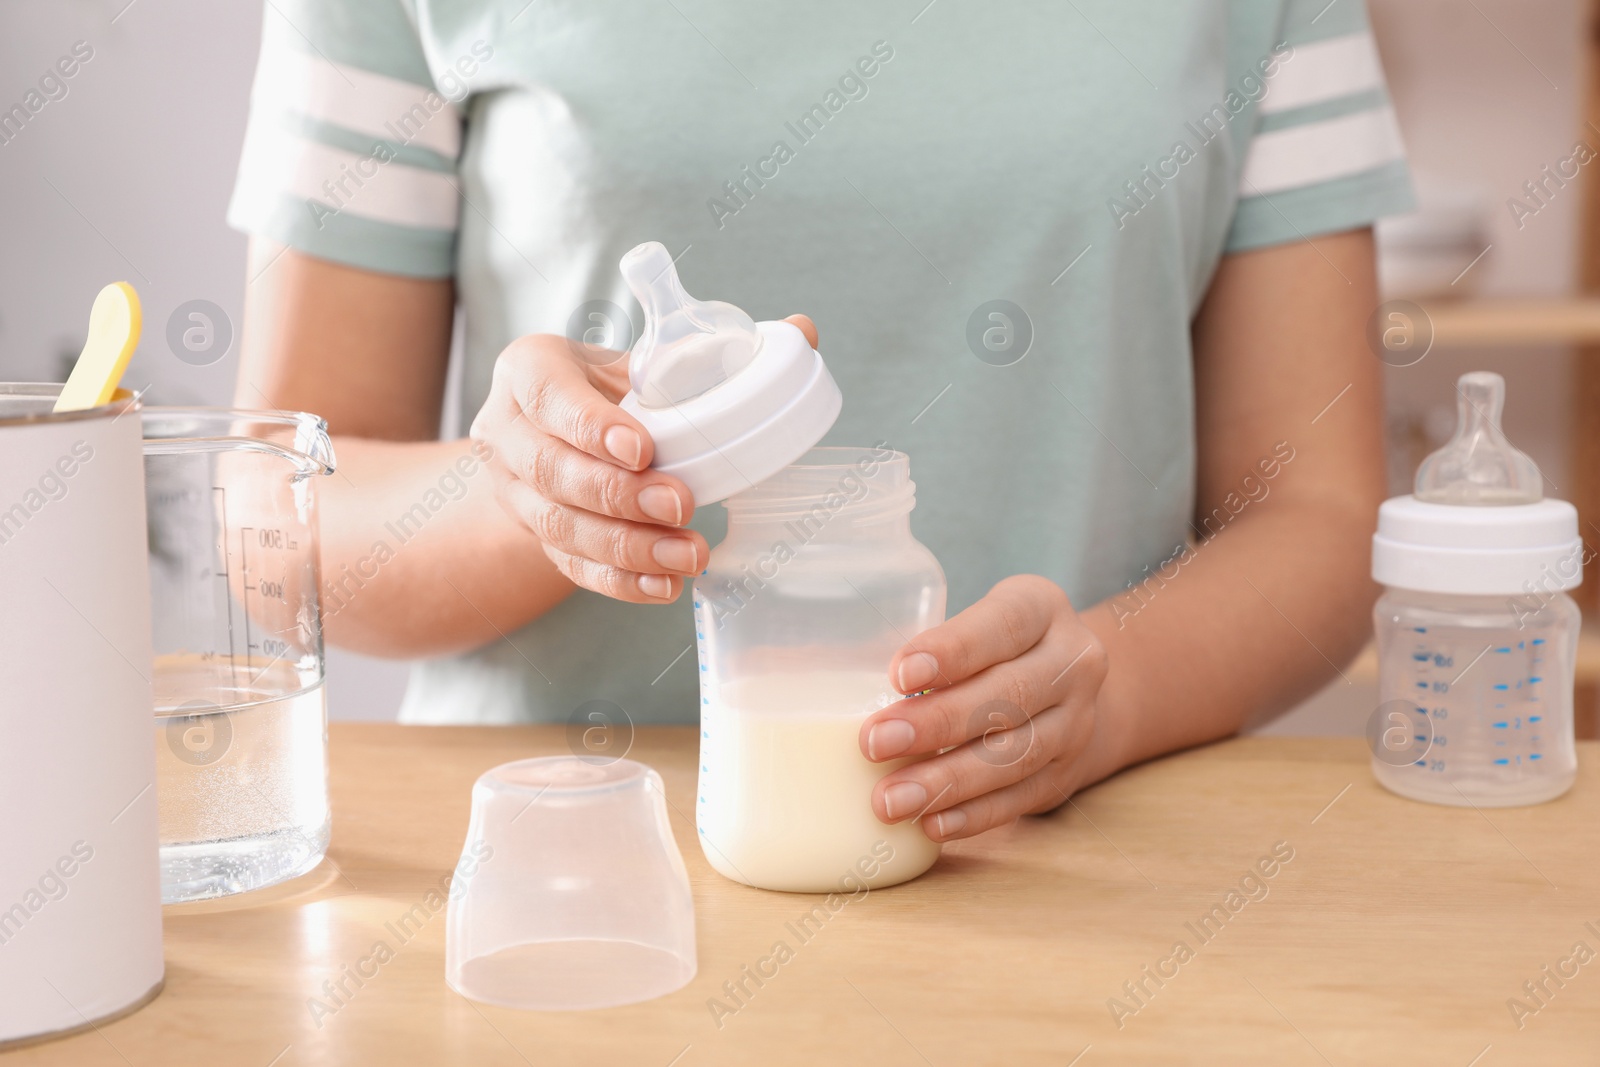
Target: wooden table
[{"x": 1396, "y": 933}]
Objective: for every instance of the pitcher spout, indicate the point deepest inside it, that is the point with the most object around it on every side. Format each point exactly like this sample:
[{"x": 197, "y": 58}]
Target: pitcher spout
[{"x": 296, "y": 436}]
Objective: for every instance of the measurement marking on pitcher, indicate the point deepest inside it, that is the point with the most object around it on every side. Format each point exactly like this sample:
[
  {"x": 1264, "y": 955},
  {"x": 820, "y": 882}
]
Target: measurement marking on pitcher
[
  {"x": 244, "y": 588},
  {"x": 233, "y": 662}
]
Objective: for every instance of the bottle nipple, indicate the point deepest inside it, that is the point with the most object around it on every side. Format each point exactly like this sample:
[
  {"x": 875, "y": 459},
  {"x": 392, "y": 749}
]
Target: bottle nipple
[
  {"x": 688, "y": 346},
  {"x": 1478, "y": 466}
]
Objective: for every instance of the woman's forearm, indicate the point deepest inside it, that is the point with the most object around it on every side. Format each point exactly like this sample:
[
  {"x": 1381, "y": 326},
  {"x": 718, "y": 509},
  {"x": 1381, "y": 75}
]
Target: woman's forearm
[
  {"x": 1235, "y": 628},
  {"x": 1274, "y": 595},
  {"x": 417, "y": 557}
]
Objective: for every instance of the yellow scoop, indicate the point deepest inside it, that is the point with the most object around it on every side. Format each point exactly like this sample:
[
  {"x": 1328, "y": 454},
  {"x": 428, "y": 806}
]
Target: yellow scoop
[{"x": 114, "y": 324}]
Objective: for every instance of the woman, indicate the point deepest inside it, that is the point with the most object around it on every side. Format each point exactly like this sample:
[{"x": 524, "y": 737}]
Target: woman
[{"x": 1102, "y": 270}]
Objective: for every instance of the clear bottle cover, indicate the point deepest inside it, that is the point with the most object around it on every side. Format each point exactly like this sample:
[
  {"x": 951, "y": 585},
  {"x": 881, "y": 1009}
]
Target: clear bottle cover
[
  {"x": 1478, "y": 466},
  {"x": 688, "y": 346}
]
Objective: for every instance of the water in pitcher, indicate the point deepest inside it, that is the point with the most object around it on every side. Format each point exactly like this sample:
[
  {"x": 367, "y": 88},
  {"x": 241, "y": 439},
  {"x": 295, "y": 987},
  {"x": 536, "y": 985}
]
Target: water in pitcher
[{"x": 241, "y": 774}]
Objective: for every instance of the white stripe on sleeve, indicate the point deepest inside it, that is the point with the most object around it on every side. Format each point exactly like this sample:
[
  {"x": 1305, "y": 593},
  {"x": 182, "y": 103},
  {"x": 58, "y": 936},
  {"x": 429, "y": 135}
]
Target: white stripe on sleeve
[
  {"x": 1324, "y": 70},
  {"x": 1315, "y": 152},
  {"x": 288, "y": 79},
  {"x": 277, "y": 163}
]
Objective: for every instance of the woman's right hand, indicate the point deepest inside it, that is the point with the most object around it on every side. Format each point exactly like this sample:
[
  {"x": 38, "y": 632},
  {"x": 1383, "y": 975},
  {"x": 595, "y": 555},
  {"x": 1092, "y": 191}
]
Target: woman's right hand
[{"x": 573, "y": 467}]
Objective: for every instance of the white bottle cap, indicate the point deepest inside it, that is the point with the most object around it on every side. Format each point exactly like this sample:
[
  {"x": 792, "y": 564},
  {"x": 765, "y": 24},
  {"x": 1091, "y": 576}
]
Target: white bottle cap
[
  {"x": 727, "y": 401},
  {"x": 1477, "y": 524},
  {"x": 1515, "y": 550}
]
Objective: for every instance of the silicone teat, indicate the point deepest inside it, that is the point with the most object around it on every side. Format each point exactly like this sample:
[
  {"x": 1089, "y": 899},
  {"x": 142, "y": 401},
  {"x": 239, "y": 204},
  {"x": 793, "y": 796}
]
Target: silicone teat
[
  {"x": 688, "y": 346},
  {"x": 1478, "y": 466}
]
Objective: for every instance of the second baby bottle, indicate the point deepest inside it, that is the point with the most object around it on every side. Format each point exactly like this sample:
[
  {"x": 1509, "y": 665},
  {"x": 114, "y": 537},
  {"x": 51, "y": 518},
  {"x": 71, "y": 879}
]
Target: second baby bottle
[
  {"x": 1476, "y": 635},
  {"x": 817, "y": 585}
]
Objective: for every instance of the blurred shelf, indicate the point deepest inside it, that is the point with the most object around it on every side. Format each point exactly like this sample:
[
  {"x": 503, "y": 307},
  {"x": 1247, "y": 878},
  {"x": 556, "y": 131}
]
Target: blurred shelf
[
  {"x": 1364, "y": 670},
  {"x": 1482, "y": 323}
]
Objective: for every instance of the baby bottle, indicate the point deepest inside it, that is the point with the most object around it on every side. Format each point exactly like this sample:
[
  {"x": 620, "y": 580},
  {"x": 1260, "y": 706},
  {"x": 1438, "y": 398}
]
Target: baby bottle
[
  {"x": 1476, "y": 636},
  {"x": 817, "y": 584}
]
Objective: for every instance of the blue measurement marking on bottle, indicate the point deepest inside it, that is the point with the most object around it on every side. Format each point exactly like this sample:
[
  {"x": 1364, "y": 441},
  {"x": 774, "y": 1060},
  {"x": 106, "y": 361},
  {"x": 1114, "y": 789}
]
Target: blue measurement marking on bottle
[
  {"x": 1535, "y": 718},
  {"x": 1535, "y": 680},
  {"x": 1538, "y": 640},
  {"x": 1502, "y": 686},
  {"x": 1501, "y": 725},
  {"x": 1420, "y": 629},
  {"x": 1502, "y": 650},
  {"x": 1535, "y": 755},
  {"x": 1502, "y": 762}
]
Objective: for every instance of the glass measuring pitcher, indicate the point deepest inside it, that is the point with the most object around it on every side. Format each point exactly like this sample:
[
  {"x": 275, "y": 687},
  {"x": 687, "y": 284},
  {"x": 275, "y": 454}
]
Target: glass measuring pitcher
[{"x": 240, "y": 716}]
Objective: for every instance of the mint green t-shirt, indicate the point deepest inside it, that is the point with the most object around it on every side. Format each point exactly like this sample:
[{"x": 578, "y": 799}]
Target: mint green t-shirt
[{"x": 1002, "y": 216}]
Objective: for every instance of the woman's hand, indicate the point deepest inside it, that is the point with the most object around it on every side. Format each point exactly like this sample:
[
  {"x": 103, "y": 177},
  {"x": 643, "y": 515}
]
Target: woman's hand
[
  {"x": 1014, "y": 681},
  {"x": 573, "y": 467}
]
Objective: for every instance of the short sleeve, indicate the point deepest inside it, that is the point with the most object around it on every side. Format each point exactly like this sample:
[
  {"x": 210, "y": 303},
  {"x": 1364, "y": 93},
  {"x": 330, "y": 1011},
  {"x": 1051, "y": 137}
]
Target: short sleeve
[
  {"x": 350, "y": 151},
  {"x": 1326, "y": 154}
]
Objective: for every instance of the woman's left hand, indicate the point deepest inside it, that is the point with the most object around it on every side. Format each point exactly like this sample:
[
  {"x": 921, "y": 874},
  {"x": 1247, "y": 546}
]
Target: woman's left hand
[{"x": 1014, "y": 682}]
